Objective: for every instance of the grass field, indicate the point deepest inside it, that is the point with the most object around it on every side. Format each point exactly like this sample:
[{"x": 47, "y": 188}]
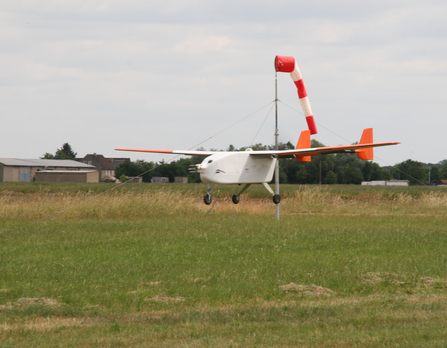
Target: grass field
[{"x": 152, "y": 266}]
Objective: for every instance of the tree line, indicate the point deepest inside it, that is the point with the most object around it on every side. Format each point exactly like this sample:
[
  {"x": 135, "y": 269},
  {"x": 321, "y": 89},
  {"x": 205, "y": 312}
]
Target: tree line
[{"x": 327, "y": 169}]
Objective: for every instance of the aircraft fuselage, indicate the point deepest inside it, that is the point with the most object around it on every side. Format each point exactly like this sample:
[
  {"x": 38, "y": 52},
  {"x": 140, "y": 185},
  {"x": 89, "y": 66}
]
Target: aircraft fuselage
[{"x": 237, "y": 168}]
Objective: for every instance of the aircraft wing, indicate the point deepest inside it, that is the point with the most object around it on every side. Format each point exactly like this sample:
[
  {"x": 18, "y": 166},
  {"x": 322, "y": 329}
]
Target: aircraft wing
[
  {"x": 179, "y": 152},
  {"x": 322, "y": 150},
  {"x": 280, "y": 153}
]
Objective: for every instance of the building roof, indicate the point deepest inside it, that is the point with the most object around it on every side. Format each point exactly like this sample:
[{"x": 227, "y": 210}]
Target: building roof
[
  {"x": 116, "y": 161},
  {"x": 17, "y": 162},
  {"x": 66, "y": 171},
  {"x": 101, "y": 160}
]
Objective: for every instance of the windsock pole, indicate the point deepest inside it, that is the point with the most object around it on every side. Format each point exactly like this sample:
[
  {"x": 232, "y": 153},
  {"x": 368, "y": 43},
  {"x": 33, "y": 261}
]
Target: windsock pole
[
  {"x": 276, "y": 145},
  {"x": 288, "y": 64}
]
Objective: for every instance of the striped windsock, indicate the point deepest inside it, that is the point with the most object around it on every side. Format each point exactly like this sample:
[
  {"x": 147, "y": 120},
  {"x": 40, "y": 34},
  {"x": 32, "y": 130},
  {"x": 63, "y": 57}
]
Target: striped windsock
[{"x": 288, "y": 64}]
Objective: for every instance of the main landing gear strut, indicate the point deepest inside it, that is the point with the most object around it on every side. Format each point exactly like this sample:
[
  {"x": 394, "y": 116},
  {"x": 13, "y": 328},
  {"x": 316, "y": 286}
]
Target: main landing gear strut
[
  {"x": 276, "y": 197},
  {"x": 236, "y": 197}
]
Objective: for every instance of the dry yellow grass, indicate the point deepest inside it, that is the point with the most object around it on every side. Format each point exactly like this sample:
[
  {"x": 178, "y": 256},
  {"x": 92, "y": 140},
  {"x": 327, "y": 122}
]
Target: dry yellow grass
[
  {"x": 122, "y": 205},
  {"x": 35, "y": 206}
]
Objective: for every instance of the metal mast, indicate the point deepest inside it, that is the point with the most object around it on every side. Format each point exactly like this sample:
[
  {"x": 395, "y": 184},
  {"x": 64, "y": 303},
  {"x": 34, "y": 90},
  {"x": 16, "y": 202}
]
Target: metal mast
[{"x": 276, "y": 145}]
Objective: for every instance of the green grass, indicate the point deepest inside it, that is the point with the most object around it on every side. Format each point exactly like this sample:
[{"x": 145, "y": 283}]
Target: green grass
[{"x": 216, "y": 279}]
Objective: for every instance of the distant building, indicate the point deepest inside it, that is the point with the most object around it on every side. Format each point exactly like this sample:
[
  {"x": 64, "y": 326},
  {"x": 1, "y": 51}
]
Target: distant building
[
  {"x": 24, "y": 170},
  {"x": 84, "y": 176},
  {"x": 374, "y": 183},
  {"x": 135, "y": 180},
  {"x": 104, "y": 166},
  {"x": 181, "y": 179},
  {"x": 160, "y": 179},
  {"x": 440, "y": 182},
  {"x": 385, "y": 183}
]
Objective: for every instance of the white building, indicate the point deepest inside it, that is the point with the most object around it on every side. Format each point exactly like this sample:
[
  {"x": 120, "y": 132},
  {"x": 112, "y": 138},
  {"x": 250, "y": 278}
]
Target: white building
[
  {"x": 24, "y": 170},
  {"x": 385, "y": 183}
]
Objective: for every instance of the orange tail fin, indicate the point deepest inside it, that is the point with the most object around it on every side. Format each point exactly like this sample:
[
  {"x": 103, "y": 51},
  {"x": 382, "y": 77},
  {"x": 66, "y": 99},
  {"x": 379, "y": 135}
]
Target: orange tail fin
[
  {"x": 304, "y": 143},
  {"x": 367, "y": 138}
]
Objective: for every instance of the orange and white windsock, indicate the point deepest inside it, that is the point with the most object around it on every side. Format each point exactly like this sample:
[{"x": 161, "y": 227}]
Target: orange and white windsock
[{"x": 288, "y": 64}]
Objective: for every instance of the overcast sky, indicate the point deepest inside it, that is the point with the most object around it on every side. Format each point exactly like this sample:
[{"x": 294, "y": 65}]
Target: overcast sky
[{"x": 171, "y": 74}]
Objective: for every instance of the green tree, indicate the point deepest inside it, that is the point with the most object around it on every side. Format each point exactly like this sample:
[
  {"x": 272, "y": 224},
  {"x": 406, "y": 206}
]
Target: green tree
[
  {"x": 412, "y": 171},
  {"x": 65, "y": 152},
  {"x": 435, "y": 173},
  {"x": 258, "y": 147},
  {"x": 281, "y": 146},
  {"x": 330, "y": 178},
  {"x": 375, "y": 173},
  {"x": 443, "y": 174},
  {"x": 352, "y": 174},
  {"x": 385, "y": 174},
  {"x": 348, "y": 168},
  {"x": 378, "y": 173},
  {"x": 47, "y": 155},
  {"x": 129, "y": 168},
  {"x": 282, "y": 176},
  {"x": 301, "y": 174},
  {"x": 367, "y": 170}
]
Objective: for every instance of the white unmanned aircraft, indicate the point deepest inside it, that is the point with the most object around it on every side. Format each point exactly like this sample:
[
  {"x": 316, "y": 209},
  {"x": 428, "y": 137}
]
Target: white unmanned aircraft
[{"x": 257, "y": 167}]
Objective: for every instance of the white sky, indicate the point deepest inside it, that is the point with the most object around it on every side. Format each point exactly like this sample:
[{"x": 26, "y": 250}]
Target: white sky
[{"x": 170, "y": 74}]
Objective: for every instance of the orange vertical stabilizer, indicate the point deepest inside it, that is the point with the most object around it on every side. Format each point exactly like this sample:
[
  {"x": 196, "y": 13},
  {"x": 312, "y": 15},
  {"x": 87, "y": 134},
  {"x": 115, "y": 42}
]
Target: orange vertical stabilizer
[
  {"x": 304, "y": 143},
  {"x": 367, "y": 138}
]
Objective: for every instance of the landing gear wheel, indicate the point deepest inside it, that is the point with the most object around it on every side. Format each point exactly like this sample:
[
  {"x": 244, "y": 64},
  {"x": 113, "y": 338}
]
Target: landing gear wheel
[
  {"x": 207, "y": 199},
  {"x": 235, "y": 199},
  {"x": 276, "y": 198}
]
